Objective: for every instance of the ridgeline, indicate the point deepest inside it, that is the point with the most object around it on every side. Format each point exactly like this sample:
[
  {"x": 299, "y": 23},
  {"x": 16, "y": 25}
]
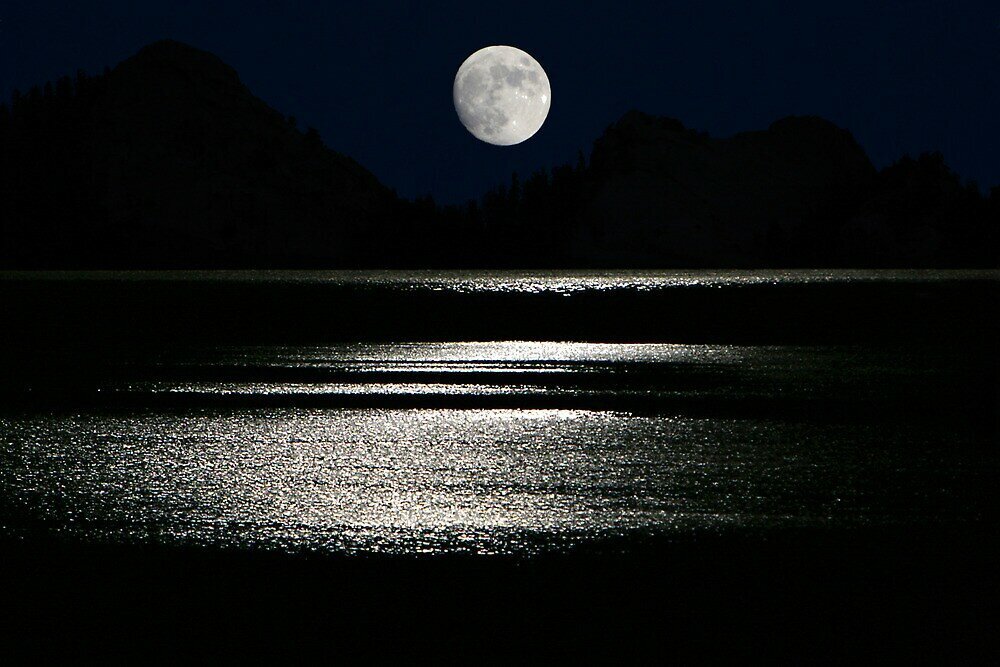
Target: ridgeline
[{"x": 169, "y": 161}]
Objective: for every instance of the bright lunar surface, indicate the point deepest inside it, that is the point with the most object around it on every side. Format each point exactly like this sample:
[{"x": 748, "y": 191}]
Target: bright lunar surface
[{"x": 502, "y": 95}]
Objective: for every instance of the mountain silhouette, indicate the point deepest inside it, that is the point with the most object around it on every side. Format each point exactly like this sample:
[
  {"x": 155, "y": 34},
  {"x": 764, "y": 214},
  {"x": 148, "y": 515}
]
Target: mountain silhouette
[
  {"x": 168, "y": 160},
  {"x": 801, "y": 193},
  {"x": 661, "y": 190},
  {"x": 168, "y": 156}
]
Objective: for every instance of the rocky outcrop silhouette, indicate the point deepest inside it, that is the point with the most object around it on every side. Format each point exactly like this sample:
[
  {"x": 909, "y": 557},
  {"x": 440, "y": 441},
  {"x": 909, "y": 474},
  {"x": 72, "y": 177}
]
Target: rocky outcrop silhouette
[
  {"x": 168, "y": 159},
  {"x": 660, "y": 190},
  {"x": 801, "y": 193}
]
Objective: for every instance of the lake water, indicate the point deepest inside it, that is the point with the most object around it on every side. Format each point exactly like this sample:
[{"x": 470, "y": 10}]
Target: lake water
[{"x": 382, "y": 419}]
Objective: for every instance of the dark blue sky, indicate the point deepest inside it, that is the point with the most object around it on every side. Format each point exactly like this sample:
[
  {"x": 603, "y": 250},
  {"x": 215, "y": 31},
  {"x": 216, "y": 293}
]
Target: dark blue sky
[{"x": 375, "y": 77}]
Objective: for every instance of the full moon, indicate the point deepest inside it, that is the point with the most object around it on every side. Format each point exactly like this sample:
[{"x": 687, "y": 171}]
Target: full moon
[{"x": 502, "y": 95}]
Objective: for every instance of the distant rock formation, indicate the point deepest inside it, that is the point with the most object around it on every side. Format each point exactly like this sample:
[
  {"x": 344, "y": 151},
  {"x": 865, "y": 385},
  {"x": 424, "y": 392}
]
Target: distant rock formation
[
  {"x": 801, "y": 193},
  {"x": 661, "y": 190},
  {"x": 169, "y": 159}
]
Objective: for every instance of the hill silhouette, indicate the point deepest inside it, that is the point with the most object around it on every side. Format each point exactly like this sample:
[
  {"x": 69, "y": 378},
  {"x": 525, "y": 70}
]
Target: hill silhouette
[
  {"x": 675, "y": 191},
  {"x": 801, "y": 193},
  {"x": 169, "y": 161}
]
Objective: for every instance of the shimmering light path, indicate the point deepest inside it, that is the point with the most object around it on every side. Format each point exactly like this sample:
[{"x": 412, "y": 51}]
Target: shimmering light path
[
  {"x": 442, "y": 412},
  {"x": 484, "y": 481},
  {"x": 519, "y": 281}
]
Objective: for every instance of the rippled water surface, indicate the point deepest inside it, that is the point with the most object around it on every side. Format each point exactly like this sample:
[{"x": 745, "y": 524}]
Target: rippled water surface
[
  {"x": 479, "y": 480},
  {"x": 534, "y": 281},
  {"x": 493, "y": 446}
]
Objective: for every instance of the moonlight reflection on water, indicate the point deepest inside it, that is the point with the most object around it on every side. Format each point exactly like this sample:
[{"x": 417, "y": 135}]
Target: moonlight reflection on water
[
  {"x": 318, "y": 436},
  {"x": 426, "y": 480}
]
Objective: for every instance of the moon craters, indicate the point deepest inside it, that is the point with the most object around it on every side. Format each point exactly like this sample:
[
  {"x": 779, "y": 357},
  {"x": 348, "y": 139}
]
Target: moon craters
[{"x": 502, "y": 95}]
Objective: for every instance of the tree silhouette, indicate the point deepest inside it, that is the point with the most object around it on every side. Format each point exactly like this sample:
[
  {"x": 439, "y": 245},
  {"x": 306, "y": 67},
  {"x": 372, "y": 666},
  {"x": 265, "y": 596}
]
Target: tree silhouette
[{"x": 56, "y": 205}]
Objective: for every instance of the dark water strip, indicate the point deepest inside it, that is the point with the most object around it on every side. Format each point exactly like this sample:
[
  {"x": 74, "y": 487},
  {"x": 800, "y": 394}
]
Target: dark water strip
[{"x": 148, "y": 314}]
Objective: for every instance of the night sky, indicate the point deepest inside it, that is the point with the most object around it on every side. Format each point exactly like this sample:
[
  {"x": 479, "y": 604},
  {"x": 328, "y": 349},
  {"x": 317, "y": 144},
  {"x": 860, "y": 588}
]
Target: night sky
[{"x": 375, "y": 78}]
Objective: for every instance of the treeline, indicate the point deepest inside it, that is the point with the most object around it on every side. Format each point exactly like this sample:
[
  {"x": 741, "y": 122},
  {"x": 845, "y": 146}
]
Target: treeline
[
  {"x": 916, "y": 212},
  {"x": 927, "y": 209},
  {"x": 298, "y": 204},
  {"x": 89, "y": 182},
  {"x": 527, "y": 223},
  {"x": 48, "y": 196}
]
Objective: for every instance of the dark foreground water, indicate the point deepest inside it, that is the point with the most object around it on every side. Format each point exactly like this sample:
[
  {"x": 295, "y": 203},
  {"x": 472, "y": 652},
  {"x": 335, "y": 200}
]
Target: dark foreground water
[{"x": 506, "y": 414}]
